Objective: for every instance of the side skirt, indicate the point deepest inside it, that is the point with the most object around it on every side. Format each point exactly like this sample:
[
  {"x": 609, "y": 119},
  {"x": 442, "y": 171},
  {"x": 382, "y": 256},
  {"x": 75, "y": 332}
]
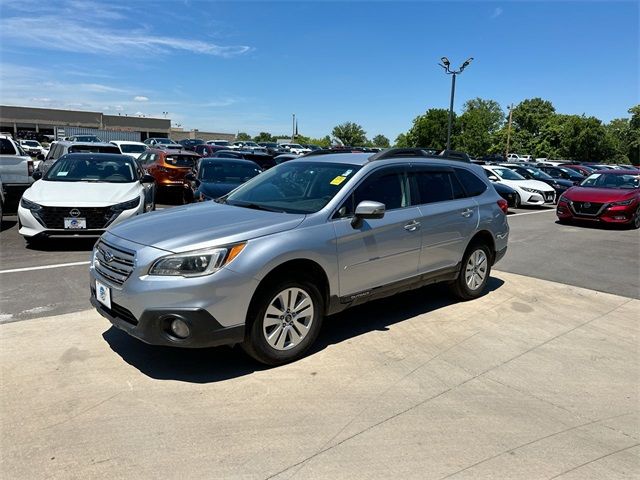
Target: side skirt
[{"x": 338, "y": 304}]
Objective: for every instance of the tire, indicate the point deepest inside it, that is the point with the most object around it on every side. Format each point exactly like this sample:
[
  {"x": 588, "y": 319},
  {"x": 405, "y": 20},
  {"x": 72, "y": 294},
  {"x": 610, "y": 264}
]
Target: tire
[
  {"x": 635, "y": 224},
  {"x": 474, "y": 272},
  {"x": 518, "y": 201},
  {"x": 267, "y": 340}
]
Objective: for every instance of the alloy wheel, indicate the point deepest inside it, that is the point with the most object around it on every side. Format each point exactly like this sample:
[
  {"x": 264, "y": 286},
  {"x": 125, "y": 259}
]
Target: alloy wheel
[
  {"x": 476, "y": 269},
  {"x": 288, "y": 318}
]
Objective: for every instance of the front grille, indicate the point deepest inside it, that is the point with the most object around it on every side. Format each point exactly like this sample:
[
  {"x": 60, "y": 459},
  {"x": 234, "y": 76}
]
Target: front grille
[
  {"x": 587, "y": 208},
  {"x": 97, "y": 217},
  {"x": 113, "y": 263},
  {"x": 549, "y": 196}
]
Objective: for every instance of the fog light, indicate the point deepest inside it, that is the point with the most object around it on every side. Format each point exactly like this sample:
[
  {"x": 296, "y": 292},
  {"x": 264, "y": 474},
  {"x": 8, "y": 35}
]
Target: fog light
[{"x": 180, "y": 328}]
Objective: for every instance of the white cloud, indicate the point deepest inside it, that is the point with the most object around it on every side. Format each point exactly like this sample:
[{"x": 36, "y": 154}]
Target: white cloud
[
  {"x": 74, "y": 36},
  {"x": 496, "y": 12},
  {"x": 140, "y": 98}
]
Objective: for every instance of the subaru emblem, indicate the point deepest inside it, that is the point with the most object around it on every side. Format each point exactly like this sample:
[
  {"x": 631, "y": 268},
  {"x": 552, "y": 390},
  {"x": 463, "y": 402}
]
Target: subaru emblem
[{"x": 74, "y": 212}]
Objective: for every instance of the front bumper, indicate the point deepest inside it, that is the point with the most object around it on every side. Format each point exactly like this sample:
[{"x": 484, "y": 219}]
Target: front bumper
[
  {"x": 608, "y": 214},
  {"x": 153, "y": 327},
  {"x": 215, "y": 306}
]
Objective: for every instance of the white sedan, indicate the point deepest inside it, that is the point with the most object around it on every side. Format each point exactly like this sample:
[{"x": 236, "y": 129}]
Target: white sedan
[
  {"x": 81, "y": 195},
  {"x": 528, "y": 192},
  {"x": 133, "y": 149}
]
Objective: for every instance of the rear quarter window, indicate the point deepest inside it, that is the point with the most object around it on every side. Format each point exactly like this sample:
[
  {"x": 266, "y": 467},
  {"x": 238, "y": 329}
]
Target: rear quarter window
[
  {"x": 471, "y": 183},
  {"x": 6, "y": 147}
]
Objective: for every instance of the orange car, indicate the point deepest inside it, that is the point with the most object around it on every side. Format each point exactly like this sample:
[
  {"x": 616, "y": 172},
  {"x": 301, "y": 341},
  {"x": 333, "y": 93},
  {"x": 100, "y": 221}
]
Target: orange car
[{"x": 168, "y": 168}]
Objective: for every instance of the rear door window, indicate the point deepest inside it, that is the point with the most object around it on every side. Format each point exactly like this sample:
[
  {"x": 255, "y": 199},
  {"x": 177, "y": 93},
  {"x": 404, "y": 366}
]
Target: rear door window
[{"x": 434, "y": 186}]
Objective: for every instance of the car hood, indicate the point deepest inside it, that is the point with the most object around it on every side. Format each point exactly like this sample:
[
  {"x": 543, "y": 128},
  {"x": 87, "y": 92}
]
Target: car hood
[
  {"x": 202, "y": 225},
  {"x": 215, "y": 190},
  {"x": 81, "y": 194},
  {"x": 599, "y": 195},
  {"x": 536, "y": 184}
]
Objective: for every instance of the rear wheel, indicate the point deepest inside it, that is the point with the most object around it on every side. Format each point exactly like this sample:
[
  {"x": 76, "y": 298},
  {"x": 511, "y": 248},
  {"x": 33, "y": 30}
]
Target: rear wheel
[
  {"x": 285, "y": 320},
  {"x": 636, "y": 219},
  {"x": 474, "y": 274}
]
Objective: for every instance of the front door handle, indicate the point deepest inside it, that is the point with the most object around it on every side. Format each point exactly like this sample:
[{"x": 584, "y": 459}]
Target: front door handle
[
  {"x": 412, "y": 226},
  {"x": 466, "y": 213}
]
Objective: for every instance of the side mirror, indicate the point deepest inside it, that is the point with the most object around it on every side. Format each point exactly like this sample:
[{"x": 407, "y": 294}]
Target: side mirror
[
  {"x": 367, "y": 209},
  {"x": 37, "y": 175},
  {"x": 493, "y": 178},
  {"x": 40, "y": 157},
  {"x": 146, "y": 178},
  {"x": 190, "y": 177}
]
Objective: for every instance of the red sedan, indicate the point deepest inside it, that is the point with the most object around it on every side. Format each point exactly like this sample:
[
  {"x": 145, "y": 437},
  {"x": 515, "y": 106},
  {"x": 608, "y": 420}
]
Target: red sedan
[{"x": 608, "y": 196}]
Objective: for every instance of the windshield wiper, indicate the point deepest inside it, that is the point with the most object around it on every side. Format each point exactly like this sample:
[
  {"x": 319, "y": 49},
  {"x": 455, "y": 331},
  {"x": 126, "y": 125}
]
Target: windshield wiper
[{"x": 256, "y": 206}]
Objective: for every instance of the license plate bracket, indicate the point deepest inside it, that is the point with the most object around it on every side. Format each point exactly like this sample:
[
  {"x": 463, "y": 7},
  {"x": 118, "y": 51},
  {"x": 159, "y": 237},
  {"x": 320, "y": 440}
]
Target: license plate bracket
[
  {"x": 75, "y": 223},
  {"x": 103, "y": 294}
]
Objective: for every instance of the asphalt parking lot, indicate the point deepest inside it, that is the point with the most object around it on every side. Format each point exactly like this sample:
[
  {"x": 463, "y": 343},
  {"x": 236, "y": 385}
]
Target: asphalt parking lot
[{"x": 537, "y": 379}]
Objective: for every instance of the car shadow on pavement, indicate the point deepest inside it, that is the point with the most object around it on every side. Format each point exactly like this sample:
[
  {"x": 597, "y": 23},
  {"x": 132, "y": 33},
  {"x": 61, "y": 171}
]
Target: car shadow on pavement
[
  {"x": 596, "y": 225},
  {"x": 208, "y": 365}
]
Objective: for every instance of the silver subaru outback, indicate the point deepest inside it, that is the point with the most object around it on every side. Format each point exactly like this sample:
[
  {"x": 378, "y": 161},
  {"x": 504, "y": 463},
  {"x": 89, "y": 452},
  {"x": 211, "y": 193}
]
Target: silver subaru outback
[{"x": 263, "y": 265}]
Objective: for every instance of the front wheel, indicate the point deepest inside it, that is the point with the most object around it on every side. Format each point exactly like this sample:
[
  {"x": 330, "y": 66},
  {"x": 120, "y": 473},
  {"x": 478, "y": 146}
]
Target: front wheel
[
  {"x": 636, "y": 219},
  {"x": 518, "y": 201},
  {"x": 285, "y": 320},
  {"x": 474, "y": 274}
]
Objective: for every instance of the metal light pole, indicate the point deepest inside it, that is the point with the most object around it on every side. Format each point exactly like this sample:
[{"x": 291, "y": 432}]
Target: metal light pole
[{"x": 447, "y": 68}]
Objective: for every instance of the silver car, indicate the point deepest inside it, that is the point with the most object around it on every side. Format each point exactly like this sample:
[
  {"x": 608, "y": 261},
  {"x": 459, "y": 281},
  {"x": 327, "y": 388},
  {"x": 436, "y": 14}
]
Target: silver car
[{"x": 263, "y": 265}]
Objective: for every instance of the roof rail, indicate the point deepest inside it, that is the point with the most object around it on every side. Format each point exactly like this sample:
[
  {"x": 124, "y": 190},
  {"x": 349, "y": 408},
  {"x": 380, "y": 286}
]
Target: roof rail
[
  {"x": 403, "y": 152},
  {"x": 327, "y": 151}
]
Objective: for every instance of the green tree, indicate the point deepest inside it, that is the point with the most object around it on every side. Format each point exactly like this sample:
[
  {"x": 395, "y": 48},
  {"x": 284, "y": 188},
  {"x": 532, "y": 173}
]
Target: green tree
[
  {"x": 380, "y": 141},
  {"x": 634, "y": 135},
  {"x": 479, "y": 123},
  {"x": 531, "y": 114},
  {"x": 430, "y": 130},
  {"x": 402, "y": 141},
  {"x": 243, "y": 137},
  {"x": 585, "y": 138},
  {"x": 350, "y": 133},
  {"x": 264, "y": 137}
]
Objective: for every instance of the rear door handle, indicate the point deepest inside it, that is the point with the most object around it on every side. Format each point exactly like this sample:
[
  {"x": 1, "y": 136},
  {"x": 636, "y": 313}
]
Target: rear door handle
[
  {"x": 412, "y": 226},
  {"x": 466, "y": 212}
]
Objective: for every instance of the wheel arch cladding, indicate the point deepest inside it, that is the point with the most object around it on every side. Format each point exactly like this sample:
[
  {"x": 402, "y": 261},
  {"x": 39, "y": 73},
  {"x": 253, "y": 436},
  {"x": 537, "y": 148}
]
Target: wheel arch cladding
[{"x": 484, "y": 237}]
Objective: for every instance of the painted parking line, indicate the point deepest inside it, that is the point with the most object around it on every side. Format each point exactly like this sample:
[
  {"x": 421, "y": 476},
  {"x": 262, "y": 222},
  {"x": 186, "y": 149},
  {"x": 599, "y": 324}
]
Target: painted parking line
[
  {"x": 531, "y": 213},
  {"x": 45, "y": 267}
]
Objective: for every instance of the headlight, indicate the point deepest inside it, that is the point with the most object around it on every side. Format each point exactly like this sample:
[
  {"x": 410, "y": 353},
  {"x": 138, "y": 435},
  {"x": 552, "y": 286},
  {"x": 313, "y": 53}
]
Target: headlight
[
  {"x": 532, "y": 190},
  {"x": 625, "y": 202},
  {"x": 563, "y": 199},
  {"x": 197, "y": 263},
  {"x": 29, "y": 205},
  {"x": 121, "y": 207}
]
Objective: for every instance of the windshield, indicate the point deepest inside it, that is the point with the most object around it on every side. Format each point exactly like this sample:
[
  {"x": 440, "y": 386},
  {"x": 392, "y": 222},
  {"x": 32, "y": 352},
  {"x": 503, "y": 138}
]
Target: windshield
[
  {"x": 31, "y": 143},
  {"x": 294, "y": 145},
  {"x": 227, "y": 172},
  {"x": 507, "y": 174},
  {"x": 165, "y": 141},
  {"x": 86, "y": 168},
  {"x": 567, "y": 170},
  {"x": 294, "y": 187},
  {"x": 611, "y": 180},
  {"x": 539, "y": 174},
  {"x": 132, "y": 148},
  {"x": 219, "y": 142},
  {"x": 94, "y": 149},
  {"x": 86, "y": 138},
  {"x": 181, "y": 160}
]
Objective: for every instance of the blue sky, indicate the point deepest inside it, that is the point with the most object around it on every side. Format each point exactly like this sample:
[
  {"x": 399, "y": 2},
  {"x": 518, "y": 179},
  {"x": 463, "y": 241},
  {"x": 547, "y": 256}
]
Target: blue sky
[{"x": 247, "y": 66}]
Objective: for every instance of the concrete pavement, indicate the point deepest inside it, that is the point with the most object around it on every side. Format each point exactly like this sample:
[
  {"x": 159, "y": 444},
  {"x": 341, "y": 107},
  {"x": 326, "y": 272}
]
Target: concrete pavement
[{"x": 534, "y": 380}]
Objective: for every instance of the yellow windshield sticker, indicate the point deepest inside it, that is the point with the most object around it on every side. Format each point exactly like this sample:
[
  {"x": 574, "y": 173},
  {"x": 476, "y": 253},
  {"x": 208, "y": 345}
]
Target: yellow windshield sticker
[{"x": 338, "y": 180}]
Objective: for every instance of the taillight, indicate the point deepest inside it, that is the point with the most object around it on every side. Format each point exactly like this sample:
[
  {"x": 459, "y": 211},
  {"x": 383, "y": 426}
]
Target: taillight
[
  {"x": 30, "y": 167},
  {"x": 504, "y": 205}
]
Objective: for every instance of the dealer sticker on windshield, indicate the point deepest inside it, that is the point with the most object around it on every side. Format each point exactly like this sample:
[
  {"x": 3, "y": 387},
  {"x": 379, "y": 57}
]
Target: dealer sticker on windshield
[{"x": 338, "y": 180}]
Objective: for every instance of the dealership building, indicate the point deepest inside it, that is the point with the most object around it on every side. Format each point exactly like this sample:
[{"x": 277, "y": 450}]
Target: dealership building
[{"x": 36, "y": 123}]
